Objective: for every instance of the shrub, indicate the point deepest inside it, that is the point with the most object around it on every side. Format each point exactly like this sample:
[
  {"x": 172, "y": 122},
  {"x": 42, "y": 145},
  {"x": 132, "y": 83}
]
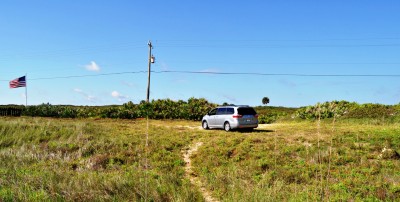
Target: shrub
[
  {"x": 193, "y": 109},
  {"x": 269, "y": 114},
  {"x": 372, "y": 111},
  {"x": 269, "y": 118},
  {"x": 326, "y": 110},
  {"x": 348, "y": 110},
  {"x": 11, "y": 110}
]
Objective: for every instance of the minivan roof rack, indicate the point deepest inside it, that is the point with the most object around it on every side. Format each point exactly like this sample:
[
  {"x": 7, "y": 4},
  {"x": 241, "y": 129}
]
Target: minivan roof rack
[{"x": 234, "y": 106}]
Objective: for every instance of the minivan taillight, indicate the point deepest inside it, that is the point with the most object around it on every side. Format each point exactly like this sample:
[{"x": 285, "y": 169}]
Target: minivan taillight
[
  {"x": 256, "y": 116},
  {"x": 237, "y": 116}
]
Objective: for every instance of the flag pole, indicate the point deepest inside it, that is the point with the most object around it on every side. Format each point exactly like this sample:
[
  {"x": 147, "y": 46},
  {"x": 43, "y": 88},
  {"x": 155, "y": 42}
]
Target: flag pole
[{"x": 26, "y": 91}]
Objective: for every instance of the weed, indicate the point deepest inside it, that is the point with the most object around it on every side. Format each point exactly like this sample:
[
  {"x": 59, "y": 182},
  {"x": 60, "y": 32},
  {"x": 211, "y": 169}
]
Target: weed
[
  {"x": 75, "y": 160},
  {"x": 102, "y": 160}
]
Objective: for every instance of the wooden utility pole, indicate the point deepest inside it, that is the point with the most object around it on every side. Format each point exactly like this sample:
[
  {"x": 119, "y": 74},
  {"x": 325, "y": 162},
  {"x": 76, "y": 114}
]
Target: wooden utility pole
[{"x": 151, "y": 60}]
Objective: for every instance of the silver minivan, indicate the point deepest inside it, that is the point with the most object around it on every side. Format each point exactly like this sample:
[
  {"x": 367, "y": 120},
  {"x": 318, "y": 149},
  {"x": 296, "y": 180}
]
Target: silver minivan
[{"x": 231, "y": 117}]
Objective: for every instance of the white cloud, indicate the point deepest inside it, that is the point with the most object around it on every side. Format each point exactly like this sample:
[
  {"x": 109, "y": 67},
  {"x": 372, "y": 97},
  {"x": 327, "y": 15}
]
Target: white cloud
[
  {"x": 115, "y": 94},
  {"x": 88, "y": 97},
  {"x": 119, "y": 96},
  {"x": 78, "y": 90},
  {"x": 92, "y": 67},
  {"x": 91, "y": 98}
]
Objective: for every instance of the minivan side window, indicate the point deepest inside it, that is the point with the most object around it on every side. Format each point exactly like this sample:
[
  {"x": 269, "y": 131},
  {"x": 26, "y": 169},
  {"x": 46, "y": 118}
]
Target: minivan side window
[
  {"x": 230, "y": 111},
  {"x": 212, "y": 112},
  {"x": 221, "y": 111}
]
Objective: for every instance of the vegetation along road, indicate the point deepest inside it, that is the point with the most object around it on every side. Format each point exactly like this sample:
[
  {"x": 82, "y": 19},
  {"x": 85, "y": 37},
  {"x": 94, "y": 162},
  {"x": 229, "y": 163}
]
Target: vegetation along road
[{"x": 106, "y": 159}]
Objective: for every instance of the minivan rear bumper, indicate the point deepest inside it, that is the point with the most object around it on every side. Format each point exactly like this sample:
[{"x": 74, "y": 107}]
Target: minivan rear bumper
[{"x": 236, "y": 125}]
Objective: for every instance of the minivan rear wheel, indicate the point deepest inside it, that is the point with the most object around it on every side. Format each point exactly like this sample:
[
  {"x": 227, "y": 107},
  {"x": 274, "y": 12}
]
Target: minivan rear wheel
[{"x": 227, "y": 126}]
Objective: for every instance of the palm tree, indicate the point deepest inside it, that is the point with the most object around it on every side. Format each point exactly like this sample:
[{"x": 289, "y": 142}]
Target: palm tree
[{"x": 265, "y": 100}]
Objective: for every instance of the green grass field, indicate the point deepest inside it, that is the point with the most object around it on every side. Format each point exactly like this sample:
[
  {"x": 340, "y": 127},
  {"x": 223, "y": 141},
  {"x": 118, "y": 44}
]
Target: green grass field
[{"x": 107, "y": 160}]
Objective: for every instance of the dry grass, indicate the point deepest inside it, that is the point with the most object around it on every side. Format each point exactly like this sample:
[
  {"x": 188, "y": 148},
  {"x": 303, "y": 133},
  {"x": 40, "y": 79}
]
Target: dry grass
[
  {"x": 102, "y": 160},
  {"x": 283, "y": 162},
  {"x": 64, "y": 159}
]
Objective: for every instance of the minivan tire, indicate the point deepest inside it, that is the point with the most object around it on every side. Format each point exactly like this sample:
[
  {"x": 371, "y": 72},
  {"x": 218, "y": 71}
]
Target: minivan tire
[
  {"x": 205, "y": 125},
  {"x": 227, "y": 126}
]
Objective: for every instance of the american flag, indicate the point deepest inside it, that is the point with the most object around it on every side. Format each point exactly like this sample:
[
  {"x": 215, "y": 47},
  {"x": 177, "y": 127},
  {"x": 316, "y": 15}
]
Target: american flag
[{"x": 18, "y": 82}]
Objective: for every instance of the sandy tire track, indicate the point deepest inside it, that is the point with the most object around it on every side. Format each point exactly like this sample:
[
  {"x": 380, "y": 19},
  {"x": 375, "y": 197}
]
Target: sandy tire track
[{"x": 189, "y": 173}]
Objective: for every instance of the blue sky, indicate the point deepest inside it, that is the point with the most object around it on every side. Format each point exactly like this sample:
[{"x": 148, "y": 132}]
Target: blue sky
[{"x": 48, "y": 40}]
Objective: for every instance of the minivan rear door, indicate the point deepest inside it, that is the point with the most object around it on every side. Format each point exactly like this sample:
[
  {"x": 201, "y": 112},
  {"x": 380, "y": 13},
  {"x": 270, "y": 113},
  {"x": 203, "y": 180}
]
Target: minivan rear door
[{"x": 248, "y": 116}]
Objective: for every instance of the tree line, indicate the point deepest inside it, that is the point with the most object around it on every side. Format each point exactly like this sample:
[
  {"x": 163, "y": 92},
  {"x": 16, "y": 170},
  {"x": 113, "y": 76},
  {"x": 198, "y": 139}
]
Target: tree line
[
  {"x": 196, "y": 108},
  {"x": 192, "y": 109}
]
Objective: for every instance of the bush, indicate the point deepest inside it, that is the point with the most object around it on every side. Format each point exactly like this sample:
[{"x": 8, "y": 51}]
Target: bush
[
  {"x": 372, "y": 111},
  {"x": 326, "y": 110},
  {"x": 347, "y": 110},
  {"x": 193, "y": 109},
  {"x": 267, "y": 118},
  {"x": 11, "y": 110},
  {"x": 269, "y": 114}
]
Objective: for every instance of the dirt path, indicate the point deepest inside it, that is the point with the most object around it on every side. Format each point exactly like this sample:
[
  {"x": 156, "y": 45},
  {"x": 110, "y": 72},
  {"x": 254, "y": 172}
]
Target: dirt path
[{"x": 189, "y": 173}]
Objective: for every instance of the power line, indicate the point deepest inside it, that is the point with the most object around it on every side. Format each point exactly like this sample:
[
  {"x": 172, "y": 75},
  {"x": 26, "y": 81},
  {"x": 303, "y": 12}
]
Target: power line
[
  {"x": 217, "y": 73},
  {"x": 237, "y": 63},
  {"x": 89, "y": 75},
  {"x": 82, "y": 76},
  {"x": 277, "y": 46},
  {"x": 280, "y": 74},
  {"x": 288, "y": 63},
  {"x": 278, "y": 40}
]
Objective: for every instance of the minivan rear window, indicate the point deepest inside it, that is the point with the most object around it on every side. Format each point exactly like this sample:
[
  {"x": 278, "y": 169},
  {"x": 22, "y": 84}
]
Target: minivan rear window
[{"x": 246, "y": 111}]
